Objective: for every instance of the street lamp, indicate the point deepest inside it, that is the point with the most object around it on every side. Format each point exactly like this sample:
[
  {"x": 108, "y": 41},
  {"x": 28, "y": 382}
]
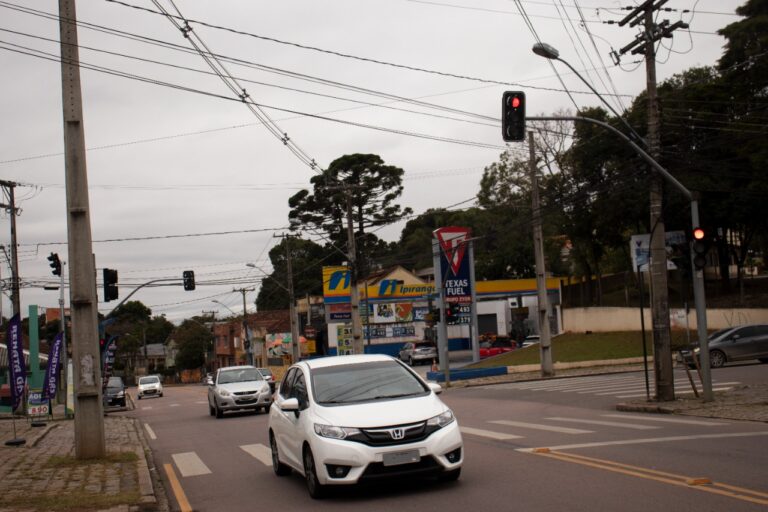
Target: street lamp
[{"x": 550, "y": 52}]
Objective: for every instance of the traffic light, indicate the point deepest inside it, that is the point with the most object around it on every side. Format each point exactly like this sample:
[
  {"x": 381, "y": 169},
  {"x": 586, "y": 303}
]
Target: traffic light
[
  {"x": 110, "y": 284},
  {"x": 189, "y": 280},
  {"x": 700, "y": 247},
  {"x": 450, "y": 313},
  {"x": 55, "y": 264},
  {"x": 513, "y": 116}
]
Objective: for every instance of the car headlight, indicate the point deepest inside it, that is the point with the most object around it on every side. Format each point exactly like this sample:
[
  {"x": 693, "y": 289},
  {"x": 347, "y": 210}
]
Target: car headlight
[
  {"x": 120, "y": 394},
  {"x": 224, "y": 392},
  {"x": 265, "y": 388},
  {"x": 441, "y": 419},
  {"x": 335, "y": 432}
]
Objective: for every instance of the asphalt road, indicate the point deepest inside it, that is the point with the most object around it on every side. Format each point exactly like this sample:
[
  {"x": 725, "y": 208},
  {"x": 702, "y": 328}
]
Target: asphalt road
[{"x": 597, "y": 458}]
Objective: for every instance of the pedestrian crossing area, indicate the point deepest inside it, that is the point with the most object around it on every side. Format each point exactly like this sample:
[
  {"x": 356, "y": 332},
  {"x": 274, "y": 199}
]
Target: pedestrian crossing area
[
  {"x": 617, "y": 386},
  {"x": 605, "y": 426}
]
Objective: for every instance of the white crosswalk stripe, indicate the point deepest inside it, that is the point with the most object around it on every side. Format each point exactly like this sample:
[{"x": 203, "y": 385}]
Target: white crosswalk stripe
[
  {"x": 539, "y": 426},
  {"x": 500, "y": 436},
  {"x": 189, "y": 464},
  {"x": 259, "y": 452},
  {"x": 634, "y": 426},
  {"x": 623, "y": 386},
  {"x": 682, "y": 421}
]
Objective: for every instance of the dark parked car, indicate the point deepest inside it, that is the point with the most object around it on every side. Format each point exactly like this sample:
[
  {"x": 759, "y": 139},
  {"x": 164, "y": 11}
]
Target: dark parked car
[
  {"x": 114, "y": 394},
  {"x": 740, "y": 343}
]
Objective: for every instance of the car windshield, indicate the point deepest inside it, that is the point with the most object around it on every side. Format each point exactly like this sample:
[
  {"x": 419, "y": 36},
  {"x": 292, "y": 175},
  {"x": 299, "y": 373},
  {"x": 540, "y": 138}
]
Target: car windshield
[
  {"x": 115, "y": 382},
  {"x": 362, "y": 382},
  {"x": 266, "y": 372},
  {"x": 424, "y": 346},
  {"x": 148, "y": 380},
  {"x": 243, "y": 375},
  {"x": 719, "y": 333}
]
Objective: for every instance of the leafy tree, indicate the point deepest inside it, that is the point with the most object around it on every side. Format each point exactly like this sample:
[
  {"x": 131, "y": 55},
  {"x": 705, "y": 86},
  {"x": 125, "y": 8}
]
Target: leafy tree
[
  {"x": 193, "y": 340},
  {"x": 159, "y": 329},
  {"x": 372, "y": 188}
]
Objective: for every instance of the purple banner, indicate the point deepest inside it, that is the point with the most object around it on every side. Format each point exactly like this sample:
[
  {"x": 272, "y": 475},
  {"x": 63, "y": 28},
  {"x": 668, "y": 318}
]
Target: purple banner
[
  {"x": 54, "y": 368},
  {"x": 16, "y": 367}
]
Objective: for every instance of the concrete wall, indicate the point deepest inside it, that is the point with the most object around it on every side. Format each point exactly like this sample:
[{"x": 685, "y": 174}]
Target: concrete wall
[{"x": 628, "y": 319}]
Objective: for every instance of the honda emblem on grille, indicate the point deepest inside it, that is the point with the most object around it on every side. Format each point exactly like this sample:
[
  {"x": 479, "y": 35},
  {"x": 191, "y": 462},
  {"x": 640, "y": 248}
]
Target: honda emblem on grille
[{"x": 397, "y": 433}]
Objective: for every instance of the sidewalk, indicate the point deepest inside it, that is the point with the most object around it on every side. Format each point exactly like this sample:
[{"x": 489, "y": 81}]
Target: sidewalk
[{"x": 43, "y": 474}]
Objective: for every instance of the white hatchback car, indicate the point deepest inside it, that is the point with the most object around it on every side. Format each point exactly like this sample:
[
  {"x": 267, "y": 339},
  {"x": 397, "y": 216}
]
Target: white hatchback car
[
  {"x": 149, "y": 386},
  {"x": 349, "y": 419}
]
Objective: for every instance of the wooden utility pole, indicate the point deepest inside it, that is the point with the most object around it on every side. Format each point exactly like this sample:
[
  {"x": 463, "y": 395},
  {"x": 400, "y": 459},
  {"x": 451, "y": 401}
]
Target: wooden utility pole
[
  {"x": 13, "y": 211},
  {"x": 89, "y": 415},
  {"x": 644, "y": 44},
  {"x": 542, "y": 306},
  {"x": 291, "y": 299}
]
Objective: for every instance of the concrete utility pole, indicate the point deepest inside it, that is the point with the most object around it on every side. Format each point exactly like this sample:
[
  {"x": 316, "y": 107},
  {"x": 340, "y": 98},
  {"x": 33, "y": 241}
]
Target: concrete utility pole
[
  {"x": 247, "y": 342},
  {"x": 542, "y": 306},
  {"x": 644, "y": 44},
  {"x": 13, "y": 211},
  {"x": 354, "y": 293},
  {"x": 295, "y": 352},
  {"x": 89, "y": 416}
]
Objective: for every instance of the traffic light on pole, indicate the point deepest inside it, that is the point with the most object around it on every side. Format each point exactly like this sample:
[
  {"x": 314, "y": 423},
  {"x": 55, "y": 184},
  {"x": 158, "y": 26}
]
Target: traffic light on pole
[
  {"x": 513, "y": 116},
  {"x": 450, "y": 313},
  {"x": 700, "y": 247},
  {"x": 110, "y": 284},
  {"x": 188, "y": 276},
  {"x": 55, "y": 264}
]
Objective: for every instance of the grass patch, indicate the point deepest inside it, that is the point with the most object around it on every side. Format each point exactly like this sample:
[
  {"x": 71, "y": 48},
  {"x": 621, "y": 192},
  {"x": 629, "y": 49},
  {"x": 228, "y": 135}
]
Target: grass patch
[
  {"x": 68, "y": 461},
  {"x": 575, "y": 347},
  {"x": 65, "y": 501}
]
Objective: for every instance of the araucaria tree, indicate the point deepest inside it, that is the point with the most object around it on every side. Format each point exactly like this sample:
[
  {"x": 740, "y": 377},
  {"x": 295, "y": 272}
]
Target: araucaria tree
[{"x": 364, "y": 184}]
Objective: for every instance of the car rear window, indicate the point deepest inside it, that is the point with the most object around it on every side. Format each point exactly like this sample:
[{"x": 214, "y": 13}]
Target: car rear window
[{"x": 352, "y": 383}]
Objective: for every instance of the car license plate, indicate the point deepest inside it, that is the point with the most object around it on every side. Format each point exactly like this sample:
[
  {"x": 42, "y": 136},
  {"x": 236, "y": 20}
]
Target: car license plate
[{"x": 397, "y": 458}]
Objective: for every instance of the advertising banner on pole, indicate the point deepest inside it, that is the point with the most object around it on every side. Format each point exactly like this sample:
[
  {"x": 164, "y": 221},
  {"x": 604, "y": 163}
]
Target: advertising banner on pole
[
  {"x": 16, "y": 367},
  {"x": 53, "y": 369}
]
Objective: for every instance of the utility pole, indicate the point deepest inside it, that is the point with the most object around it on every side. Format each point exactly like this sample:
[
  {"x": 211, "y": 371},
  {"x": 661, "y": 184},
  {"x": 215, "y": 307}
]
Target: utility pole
[
  {"x": 354, "y": 294},
  {"x": 291, "y": 299},
  {"x": 645, "y": 44},
  {"x": 208, "y": 359},
  {"x": 542, "y": 307},
  {"x": 89, "y": 418},
  {"x": 247, "y": 341},
  {"x": 13, "y": 211}
]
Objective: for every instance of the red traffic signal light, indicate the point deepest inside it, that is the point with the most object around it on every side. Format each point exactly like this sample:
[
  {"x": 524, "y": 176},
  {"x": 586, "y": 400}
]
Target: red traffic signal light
[
  {"x": 700, "y": 248},
  {"x": 698, "y": 234},
  {"x": 513, "y": 116}
]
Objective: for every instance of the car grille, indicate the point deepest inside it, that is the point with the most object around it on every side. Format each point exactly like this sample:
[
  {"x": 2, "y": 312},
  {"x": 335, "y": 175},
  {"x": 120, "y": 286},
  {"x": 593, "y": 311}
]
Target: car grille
[
  {"x": 393, "y": 435},
  {"x": 241, "y": 393},
  {"x": 377, "y": 470}
]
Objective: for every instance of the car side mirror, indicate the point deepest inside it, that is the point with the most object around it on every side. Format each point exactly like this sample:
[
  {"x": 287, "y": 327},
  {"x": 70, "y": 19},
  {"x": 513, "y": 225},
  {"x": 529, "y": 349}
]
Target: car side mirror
[
  {"x": 434, "y": 386},
  {"x": 290, "y": 404}
]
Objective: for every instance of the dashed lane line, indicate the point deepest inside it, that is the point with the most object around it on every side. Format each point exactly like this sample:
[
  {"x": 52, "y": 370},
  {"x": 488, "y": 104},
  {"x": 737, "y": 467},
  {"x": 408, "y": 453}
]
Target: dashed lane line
[
  {"x": 150, "y": 432},
  {"x": 649, "y": 440}
]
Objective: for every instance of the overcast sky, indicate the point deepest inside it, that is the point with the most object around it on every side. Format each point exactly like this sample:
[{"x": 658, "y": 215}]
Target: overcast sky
[{"x": 164, "y": 162}]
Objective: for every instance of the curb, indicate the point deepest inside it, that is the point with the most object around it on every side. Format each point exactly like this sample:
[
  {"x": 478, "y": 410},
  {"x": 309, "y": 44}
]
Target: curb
[
  {"x": 148, "y": 500},
  {"x": 651, "y": 408}
]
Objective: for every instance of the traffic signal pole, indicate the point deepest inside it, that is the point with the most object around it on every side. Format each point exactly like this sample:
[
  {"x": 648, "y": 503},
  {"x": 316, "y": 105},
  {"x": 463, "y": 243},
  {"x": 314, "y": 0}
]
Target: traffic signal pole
[{"x": 698, "y": 276}]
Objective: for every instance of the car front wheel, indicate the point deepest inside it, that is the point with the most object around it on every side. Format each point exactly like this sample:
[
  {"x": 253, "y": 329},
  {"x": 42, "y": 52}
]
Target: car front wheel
[
  {"x": 219, "y": 412},
  {"x": 315, "y": 488},
  {"x": 716, "y": 359},
  {"x": 278, "y": 467}
]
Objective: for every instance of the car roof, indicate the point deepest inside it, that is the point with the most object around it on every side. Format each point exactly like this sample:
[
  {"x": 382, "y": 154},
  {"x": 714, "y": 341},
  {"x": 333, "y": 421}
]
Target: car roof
[
  {"x": 324, "y": 362},
  {"x": 241, "y": 367}
]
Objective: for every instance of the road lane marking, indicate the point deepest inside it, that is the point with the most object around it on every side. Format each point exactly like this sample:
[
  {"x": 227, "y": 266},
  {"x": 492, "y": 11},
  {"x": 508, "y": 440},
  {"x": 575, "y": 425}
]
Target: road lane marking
[
  {"x": 500, "y": 436},
  {"x": 605, "y": 423},
  {"x": 150, "y": 432},
  {"x": 175, "y": 405},
  {"x": 259, "y": 452},
  {"x": 648, "y": 440},
  {"x": 146, "y": 408},
  {"x": 730, "y": 491},
  {"x": 698, "y": 388},
  {"x": 677, "y": 393},
  {"x": 537, "y": 426},
  {"x": 178, "y": 492},
  {"x": 202, "y": 402},
  {"x": 666, "y": 420},
  {"x": 189, "y": 464}
]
